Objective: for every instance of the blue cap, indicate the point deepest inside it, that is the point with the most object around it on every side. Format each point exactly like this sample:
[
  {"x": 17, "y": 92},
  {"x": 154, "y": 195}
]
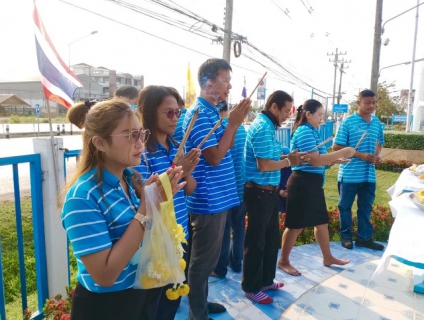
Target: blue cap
[{"x": 285, "y": 150}]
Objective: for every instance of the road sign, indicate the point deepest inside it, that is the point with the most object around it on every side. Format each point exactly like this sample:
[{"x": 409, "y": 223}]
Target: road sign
[
  {"x": 399, "y": 118},
  {"x": 340, "y": 108},
  {"x": 37, "y": 110}
]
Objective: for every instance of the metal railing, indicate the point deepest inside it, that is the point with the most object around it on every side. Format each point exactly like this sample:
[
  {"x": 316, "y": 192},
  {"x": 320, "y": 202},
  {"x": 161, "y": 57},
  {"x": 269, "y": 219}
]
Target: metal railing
[
  {"x": 325, "y": 131},
  {"x": 36, "y": 178}
]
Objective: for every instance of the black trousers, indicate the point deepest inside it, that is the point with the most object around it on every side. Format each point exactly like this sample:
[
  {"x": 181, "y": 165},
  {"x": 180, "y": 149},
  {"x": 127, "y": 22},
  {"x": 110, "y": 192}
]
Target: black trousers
[
  {"x": 130, "y": 304},
  {"x": 262, "y": 239}
]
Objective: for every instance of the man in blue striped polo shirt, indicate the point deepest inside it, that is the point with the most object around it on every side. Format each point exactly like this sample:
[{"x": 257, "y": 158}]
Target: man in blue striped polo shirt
[
  {"x": 263, "y": 163},
  {"x": 216, "y": 189},
  {"x": 232, "y": 251},
  {"x": 357, "y": 178}
]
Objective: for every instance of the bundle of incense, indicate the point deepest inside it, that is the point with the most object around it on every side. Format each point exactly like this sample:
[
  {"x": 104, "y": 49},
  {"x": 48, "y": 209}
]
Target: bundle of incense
[
  {"x": 181, "y": 147},
  {"x": 321, "y": 144},
  {"x": 209, "y": 134},
  {"x": 360, "y": 140},
  {"x": 257, "y": 85}
]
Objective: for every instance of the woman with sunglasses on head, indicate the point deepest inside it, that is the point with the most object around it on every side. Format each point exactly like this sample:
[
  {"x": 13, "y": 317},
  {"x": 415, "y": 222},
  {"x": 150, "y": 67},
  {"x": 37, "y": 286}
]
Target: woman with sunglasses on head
[
  {"x": 102, "y": 215},
  {"x": 159, "y": 109}
]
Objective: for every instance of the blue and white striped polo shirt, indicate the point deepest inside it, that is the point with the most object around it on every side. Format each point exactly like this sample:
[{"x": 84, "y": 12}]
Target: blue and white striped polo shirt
[
  {"x": 95, "y": 215},
  {"x": 350, "y": 131},
  {"x": 237, "y": 153},
  {"x": 216, "y": 188},
  {"x": 261, "y": 142},
  {"x": 304, "y": 139},
  {"x": 178, "y": 133},
  {"x": 158, "y": 162}
]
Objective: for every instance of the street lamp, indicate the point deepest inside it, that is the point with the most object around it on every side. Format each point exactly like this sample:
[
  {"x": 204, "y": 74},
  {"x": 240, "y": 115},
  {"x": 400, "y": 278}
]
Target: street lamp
[
  {"x": 70, "y": 43},
  {"x": 411, "y": 84},
  {"x": 399, "y": 64}
]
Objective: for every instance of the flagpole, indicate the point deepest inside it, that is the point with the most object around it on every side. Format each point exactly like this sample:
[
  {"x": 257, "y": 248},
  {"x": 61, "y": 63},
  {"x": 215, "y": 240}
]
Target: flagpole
[{"x": 55, "y": 156}]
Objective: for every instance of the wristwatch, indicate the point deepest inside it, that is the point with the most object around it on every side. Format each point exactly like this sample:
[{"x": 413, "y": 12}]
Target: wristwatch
[{"x": 142, "y": 218}]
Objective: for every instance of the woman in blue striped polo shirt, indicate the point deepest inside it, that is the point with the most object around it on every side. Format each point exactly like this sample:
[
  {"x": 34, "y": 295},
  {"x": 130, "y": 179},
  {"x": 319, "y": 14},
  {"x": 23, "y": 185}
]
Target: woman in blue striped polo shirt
[
  {"x": 159, "y": 109},
  {"x": 102, "y": 215},
  {"x": 306, "y": 205}
]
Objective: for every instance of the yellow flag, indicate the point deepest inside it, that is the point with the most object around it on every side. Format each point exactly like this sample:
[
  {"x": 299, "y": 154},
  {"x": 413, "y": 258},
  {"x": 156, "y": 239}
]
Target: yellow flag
[{"x": 191, "y": 91}]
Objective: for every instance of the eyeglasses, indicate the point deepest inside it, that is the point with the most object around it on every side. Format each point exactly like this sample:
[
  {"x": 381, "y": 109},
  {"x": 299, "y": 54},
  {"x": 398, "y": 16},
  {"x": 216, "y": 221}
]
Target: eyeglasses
[
  {"x": 171, "y": 113},
  {"x": 135, "y": 135}
]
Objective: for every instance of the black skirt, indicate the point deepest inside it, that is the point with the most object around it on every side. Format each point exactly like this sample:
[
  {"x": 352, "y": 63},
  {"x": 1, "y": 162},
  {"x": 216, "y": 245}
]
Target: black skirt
[{"x": 306, "y": 205}]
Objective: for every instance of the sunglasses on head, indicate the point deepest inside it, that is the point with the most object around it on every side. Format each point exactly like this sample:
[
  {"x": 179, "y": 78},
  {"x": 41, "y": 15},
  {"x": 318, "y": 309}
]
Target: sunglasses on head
[
  {"x": 135, "y": 135},
  {"x": 171, "y": 113}
]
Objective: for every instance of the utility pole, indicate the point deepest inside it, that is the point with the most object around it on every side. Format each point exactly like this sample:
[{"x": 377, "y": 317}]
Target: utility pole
[
  {"x": 89, "y": 83},
  {"x": 411, "y": 84},
  {"x": 336, "y": 61},
  {"x": 342, "y": 67},
  {"x": 228, "y": 22},
  {"x": 377, "y": 47}
]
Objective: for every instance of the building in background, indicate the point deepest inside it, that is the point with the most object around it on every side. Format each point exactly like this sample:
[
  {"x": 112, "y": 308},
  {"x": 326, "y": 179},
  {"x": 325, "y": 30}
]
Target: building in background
[{"x": 99, "y": 83}]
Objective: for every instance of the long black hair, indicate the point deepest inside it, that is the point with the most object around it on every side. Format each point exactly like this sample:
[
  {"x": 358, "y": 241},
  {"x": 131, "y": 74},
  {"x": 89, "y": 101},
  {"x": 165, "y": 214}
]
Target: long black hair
[
  {"x": 310, "y": 105},
  {"x": 150, "y": 98}
]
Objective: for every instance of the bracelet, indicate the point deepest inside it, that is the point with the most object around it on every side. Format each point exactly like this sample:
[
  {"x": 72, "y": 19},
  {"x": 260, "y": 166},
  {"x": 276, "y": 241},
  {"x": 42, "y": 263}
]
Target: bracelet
[{"x": 288, "y": 161}]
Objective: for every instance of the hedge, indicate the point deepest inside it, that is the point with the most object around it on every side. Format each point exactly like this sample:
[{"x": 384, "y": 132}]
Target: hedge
[{"x": 403, "y": 140}]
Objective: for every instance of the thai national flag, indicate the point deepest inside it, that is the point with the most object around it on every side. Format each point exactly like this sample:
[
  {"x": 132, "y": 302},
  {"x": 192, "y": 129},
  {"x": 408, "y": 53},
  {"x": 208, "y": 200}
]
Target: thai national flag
[
  {"x": 59, "y": 82},
  {"x": 243, "y": 93}
]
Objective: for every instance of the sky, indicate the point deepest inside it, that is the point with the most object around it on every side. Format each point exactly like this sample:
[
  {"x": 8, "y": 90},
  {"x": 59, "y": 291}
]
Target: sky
[{"x": 300, "y": 41}]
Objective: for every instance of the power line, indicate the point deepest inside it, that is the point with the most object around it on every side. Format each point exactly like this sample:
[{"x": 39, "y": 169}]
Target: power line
[
  {"x": 232, "y": 34},
  {"x": 160, "y": 38},
  {"x": 129, "y": 26}
]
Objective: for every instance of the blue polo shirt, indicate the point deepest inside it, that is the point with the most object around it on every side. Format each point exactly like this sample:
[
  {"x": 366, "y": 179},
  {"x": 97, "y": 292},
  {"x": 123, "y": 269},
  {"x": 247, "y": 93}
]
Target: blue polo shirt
[
  {"x": 178, "y": 133},
  {"x": 158, "y": 162},
  {"x": 350, "y": 131},
  {"x": 261, "y": 142},
  {"x": 237, "y": 153},
  {"x": 95, "y": 215},
  {"x": 216, "y": 187},
  {"x": 305, "y": 138}
]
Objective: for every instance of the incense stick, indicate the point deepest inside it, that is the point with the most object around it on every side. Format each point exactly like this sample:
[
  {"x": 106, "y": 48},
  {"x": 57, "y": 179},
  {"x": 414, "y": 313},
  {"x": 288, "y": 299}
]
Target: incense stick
[
  {"x": 377, "y": 144},
  {"x": 322, "y": 143},
  {"x": 258, "y": 85},
  {"x": 360, "y": 140},
  {"x": 182, "y": 144},
  {"x": 210, "y": 133}
]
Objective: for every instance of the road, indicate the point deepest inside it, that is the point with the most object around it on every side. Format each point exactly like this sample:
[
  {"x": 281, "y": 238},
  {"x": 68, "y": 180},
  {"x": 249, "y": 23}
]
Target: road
[{"x": 23, "y": 146}]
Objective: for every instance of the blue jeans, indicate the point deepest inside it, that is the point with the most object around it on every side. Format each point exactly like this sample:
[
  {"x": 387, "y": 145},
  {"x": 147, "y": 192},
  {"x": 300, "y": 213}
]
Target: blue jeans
[
  {"x": 366, "y": 195},
  {"x": 232, "y": 252}
]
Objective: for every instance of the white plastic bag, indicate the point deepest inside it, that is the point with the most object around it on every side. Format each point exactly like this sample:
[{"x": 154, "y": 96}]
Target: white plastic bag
[{"x": 161, "y": 251}]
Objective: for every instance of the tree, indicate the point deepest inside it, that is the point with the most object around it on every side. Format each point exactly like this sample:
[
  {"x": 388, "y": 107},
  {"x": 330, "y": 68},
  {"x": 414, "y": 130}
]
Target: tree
[{"x": 386, "y": 103}]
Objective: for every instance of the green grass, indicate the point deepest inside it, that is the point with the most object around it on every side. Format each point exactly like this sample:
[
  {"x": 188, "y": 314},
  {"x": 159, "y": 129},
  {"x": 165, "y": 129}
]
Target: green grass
[
  {"x": 10, "y": 258},
  {"x": 10, "y": 252},
  {"x": 385, "y": 180}
]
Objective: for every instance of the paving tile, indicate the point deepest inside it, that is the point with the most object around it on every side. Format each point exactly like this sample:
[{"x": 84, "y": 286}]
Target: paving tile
[
  {"x": 382, "y": 313},
  {"x": 322, "y": 292},
  {"x": 394, "y": 299}
]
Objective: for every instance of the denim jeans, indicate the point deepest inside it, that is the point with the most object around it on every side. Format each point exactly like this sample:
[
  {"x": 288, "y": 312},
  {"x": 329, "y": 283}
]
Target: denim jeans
[
  {"x": 366, "y": 195},
  {"x": 232, "y": 251}
]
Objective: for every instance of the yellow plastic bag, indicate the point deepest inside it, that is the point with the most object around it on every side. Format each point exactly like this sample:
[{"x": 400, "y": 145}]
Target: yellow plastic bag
[{"x": 161, "y": 252}]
